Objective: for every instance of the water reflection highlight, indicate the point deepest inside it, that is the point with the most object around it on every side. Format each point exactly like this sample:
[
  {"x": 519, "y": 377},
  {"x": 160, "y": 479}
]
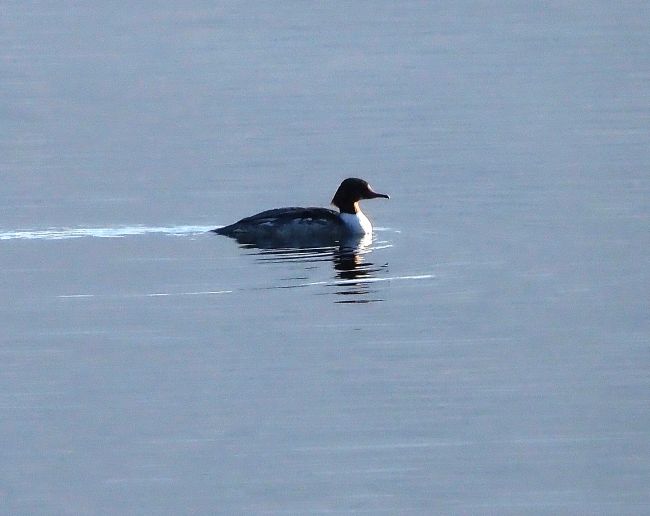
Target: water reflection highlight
[{"x": 348, "y": 257}]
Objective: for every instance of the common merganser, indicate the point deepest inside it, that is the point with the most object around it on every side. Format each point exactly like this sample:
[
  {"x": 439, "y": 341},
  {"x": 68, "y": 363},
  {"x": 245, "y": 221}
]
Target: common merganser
[{"x": 300, "y": 223}]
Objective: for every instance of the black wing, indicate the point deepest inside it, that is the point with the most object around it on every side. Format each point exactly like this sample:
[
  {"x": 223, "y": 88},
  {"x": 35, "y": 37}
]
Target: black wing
[{"x": 277, "y": 217}]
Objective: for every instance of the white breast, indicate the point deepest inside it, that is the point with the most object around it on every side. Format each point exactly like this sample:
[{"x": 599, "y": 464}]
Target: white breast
[{"x": 356, "y": 223}]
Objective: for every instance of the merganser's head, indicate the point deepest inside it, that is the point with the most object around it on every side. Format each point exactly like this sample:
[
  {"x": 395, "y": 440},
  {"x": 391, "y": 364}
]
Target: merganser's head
[{"x": 350, "y": 192}]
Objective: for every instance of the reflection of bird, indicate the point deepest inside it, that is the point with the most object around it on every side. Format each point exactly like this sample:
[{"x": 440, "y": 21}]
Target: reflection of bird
[{"x": 286, "y": 225}]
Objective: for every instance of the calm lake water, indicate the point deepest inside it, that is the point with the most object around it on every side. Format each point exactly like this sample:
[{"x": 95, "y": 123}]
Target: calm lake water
[{"x": 486, "y": 353}]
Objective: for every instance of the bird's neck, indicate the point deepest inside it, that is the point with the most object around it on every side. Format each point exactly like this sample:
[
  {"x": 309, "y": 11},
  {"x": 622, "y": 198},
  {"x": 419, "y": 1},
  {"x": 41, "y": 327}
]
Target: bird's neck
[{"x": 350, "y": 207}]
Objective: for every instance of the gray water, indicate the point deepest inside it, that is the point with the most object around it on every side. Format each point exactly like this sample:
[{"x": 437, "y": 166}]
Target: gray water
[{"x": 487, "y": 353}]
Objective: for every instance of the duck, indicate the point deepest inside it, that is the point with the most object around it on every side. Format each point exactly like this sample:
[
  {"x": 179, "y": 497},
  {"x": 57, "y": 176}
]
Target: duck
[{"x": 311, "y": 222}]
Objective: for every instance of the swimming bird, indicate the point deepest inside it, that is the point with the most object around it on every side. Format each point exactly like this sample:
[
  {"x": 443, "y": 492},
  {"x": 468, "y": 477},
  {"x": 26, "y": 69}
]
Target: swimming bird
[{"x": 286, "y": 224}]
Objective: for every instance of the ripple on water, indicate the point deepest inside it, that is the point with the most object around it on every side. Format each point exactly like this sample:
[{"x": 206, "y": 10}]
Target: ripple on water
[{"x": 108, "y": 232}]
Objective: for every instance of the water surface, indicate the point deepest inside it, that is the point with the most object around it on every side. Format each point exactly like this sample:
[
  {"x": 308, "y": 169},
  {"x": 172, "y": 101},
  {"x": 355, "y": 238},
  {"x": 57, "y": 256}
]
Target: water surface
[{"x": 486, "y": 352}]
